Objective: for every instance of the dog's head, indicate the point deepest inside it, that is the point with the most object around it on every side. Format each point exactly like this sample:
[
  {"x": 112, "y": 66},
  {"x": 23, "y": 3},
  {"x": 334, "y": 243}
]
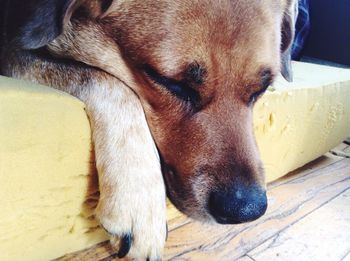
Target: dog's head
[{"x": 198, "y": 67}]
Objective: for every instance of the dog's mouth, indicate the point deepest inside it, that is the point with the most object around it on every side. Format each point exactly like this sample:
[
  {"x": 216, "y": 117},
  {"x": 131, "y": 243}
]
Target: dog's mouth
[
  {"x": 172, "y": 183},
  {"x": 181, "y": 194}
]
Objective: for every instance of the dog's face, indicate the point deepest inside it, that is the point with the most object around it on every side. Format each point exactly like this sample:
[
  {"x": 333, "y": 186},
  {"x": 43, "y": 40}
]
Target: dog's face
[{"x": 198, "y": 67}]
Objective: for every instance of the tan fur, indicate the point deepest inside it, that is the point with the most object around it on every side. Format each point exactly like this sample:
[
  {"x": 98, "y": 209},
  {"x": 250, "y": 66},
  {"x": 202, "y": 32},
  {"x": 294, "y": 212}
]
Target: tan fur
[
  {"x": 235, "y": 40},
  {"x": 204, "y": 147}
]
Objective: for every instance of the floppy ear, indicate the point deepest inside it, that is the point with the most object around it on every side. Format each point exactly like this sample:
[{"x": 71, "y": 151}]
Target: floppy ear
[
  {"x": 32, "y": 24},
  {"x": 288, "y": 33}
]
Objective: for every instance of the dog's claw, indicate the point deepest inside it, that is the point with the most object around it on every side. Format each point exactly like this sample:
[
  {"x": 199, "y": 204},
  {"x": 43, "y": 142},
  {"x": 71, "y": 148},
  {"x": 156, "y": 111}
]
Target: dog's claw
[
  {"x": 158, "y": 259},
  {"x": 125, "y": 245}
]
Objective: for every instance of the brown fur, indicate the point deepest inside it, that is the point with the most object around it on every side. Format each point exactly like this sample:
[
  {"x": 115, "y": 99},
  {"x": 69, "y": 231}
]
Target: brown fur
[
  {"x": 235, "y": 41},
  {"x": 224, "y": 50}
]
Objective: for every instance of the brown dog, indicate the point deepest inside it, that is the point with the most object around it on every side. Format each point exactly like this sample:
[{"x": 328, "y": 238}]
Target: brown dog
[{"x": 197, "y": 67}]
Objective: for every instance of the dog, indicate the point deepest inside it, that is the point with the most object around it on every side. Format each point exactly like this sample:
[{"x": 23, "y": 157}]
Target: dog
[{"x": 184, "y": 73}]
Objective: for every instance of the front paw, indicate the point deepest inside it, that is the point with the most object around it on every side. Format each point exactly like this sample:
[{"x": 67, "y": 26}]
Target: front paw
[{"x": 136, "y": 221}]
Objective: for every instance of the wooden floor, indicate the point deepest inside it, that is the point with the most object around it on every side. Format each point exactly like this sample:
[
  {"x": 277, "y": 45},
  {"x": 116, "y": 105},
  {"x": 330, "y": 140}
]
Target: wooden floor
[{"x": 308, "y": 219}]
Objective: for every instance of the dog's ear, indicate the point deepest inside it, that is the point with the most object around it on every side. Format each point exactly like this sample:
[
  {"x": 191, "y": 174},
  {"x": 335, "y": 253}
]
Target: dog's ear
[
  {"x": 32, "y": 24},
  {"x": 288, "y": 33}
]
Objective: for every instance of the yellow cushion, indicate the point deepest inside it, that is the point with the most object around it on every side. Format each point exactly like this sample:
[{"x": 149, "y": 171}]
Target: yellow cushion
[
  {"x": 300, "y": 121},
  {"x": 45, "y": 173}
]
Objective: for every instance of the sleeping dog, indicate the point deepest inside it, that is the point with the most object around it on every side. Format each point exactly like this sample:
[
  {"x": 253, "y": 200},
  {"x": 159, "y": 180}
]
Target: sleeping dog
[{"x": 185, "y": 73}]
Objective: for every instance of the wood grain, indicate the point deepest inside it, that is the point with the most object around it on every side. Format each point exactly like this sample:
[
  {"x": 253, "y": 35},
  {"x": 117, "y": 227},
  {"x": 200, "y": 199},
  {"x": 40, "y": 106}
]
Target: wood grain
[
  {"x": 289, "y": 202},
  {"x": 102, "y": 251},
  {"x": 346, "y": 257},
  {"x": 322, "y": 235},
  {"x": 294, "y": 200}
]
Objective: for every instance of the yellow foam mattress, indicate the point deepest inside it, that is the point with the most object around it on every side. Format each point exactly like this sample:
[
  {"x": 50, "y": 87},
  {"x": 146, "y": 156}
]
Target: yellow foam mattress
[{"x": 48, "y": 186}]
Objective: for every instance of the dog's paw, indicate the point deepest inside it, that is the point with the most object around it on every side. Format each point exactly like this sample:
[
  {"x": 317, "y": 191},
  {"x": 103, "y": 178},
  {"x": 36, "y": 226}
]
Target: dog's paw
[{"x": 136, "y": 220}]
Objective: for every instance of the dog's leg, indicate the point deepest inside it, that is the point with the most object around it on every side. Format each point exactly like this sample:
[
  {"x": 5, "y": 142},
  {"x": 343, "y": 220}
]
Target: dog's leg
[{"x": 132, "y": 200}]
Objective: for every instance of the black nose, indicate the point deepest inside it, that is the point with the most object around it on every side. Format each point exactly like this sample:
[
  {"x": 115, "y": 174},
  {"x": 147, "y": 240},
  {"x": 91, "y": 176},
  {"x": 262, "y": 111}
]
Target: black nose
[{"x": 239, "y": 204}]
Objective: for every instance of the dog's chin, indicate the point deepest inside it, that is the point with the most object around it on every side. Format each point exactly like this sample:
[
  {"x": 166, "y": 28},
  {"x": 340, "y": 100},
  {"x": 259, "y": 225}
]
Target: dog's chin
[{"x": 185, "y": 200}]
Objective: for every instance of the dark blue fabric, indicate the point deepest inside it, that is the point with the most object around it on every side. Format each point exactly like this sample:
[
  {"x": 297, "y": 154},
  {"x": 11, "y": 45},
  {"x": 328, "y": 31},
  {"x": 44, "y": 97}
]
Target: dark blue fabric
[{"x": 302, "y": 29}]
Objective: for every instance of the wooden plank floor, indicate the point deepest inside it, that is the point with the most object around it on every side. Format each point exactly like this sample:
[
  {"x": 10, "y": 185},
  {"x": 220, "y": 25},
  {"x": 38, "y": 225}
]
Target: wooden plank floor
[{"x": 308, "y": 219}]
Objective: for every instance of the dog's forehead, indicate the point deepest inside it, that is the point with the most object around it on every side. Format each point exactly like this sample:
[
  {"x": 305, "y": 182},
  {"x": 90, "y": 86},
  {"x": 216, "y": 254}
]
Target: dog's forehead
[
  {"x": 173, "y": 34},
  {"x": 210, "y": 32}
]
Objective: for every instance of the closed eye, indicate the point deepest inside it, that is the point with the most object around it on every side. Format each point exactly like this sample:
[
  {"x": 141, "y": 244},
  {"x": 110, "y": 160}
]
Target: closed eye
[
  {"x": 180, "y": 89},
  {"x": 257, "y": 94},
  {"x": 266, "y": 80}
]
